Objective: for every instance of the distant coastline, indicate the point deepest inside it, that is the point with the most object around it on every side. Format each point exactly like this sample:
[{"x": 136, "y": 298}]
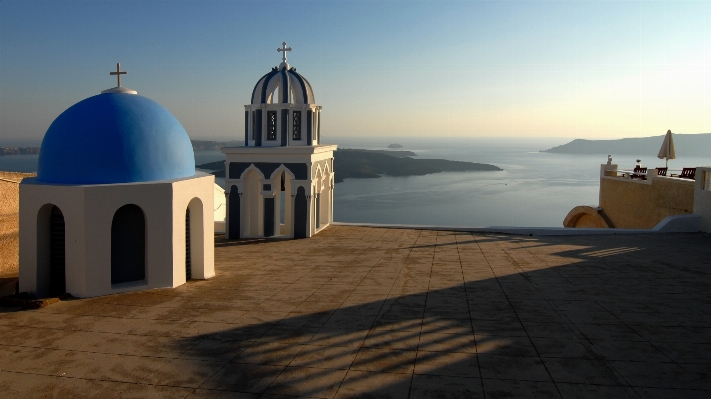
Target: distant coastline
[
  {"x": 357, "y": 163},
  {"x": 19, "y": 150},
  {"x": 685, "y": 144},
  {"x": 198, "y": 145}
]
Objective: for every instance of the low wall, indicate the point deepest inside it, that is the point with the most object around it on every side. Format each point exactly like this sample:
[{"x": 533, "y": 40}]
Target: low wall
[
  {"x": 702, "y": 197},
  {"x": 9, "y": 219},
  {"x": 642, "y": 204}
]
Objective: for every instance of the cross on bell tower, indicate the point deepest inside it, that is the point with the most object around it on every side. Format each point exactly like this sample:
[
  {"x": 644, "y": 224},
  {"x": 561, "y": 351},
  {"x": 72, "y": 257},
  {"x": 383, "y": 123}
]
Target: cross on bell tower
[
  {"x": 284, "y": 49},
  {"x": 118, "y": 74}
]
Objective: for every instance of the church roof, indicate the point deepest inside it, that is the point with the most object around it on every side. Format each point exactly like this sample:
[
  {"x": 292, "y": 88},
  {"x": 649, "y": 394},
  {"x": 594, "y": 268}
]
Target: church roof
[
  {"x": 293, "y": 87},
  {"x": 115, "y": 137}
]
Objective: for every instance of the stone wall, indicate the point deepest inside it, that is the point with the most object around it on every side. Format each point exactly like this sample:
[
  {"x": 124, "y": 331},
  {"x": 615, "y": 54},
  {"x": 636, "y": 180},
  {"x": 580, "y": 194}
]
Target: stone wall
[
  {"x": 9, "y": 219},
  {"x": 642, "y": 204}
]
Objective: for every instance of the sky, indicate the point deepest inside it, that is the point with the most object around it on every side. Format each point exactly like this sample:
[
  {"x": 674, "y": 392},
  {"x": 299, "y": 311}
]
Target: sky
[{"x": 567, "y": 69}]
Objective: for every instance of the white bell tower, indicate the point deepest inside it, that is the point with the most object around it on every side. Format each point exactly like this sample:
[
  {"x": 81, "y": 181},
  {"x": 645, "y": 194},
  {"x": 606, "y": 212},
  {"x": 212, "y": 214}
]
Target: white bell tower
[{"x": 280, "y": 183}]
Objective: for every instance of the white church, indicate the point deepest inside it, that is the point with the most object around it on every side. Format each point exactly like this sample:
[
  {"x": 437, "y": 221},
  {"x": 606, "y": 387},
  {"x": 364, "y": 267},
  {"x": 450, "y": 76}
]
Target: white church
[
  {"x": 280, "y": 183},
  {"x": 117, "y": 204}
]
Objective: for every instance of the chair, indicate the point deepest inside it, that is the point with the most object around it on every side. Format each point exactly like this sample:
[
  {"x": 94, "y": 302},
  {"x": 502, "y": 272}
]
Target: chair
[
  {"x": 662, "y": 171},
  {"x": 688, "y": 173},
  {"x": 639, "y": 173}
]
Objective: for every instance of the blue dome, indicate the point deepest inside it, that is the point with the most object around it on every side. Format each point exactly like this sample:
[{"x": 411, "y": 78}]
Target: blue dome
[{"x": 115, "y": 138}]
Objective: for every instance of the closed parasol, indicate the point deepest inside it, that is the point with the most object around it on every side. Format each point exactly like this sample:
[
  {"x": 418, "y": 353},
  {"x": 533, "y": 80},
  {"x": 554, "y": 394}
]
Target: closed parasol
[{"x": 667, "y": 151}]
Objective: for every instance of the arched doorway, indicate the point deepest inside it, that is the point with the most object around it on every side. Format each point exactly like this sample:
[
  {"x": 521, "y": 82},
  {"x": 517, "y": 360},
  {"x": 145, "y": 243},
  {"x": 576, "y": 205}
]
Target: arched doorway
[
  {"x": 194, "y": 240},
  {"x": 234, "y": 211},
  {"x": 128, "y": 245},
  {"x": 300, "y": 210},
  {"x": 188, "y": 257},
  {"x": 57, "y": 256}
]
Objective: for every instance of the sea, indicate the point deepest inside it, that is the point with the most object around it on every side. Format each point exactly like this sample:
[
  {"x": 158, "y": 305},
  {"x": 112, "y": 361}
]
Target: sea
[{"x": 535, "y": 189}]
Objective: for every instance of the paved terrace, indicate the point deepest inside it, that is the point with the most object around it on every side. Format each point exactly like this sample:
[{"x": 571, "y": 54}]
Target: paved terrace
[{"x": 389, "y": 313}]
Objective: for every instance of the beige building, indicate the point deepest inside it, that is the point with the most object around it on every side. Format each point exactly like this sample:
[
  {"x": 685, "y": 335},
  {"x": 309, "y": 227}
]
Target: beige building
[
  {"x": 644, "y": 201},
  {"x": 9, "y": 219}
]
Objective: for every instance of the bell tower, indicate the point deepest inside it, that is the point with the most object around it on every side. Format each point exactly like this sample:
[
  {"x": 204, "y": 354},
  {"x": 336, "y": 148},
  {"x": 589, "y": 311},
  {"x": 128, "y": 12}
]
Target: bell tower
[{"x": 280, "y": 183}]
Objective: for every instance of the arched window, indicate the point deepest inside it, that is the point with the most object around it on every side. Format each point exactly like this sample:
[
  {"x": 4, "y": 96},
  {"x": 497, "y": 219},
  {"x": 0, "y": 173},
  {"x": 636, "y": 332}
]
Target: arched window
[{"x": 128, "y": 245}]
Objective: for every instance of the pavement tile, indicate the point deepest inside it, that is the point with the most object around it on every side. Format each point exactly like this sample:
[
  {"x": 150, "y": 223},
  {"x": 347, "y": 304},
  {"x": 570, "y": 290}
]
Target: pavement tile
[
  {"x": 495, "y": 389},
  {"x": 29, "y": 386},
  {"x": 654, "y": 374},
  {"x": 273, "y": 353},
  {"x": 384, "y": 360},
  {"x": 338, "y": 357},
  {"x": 583, "y": 371},
  {"x": 506, "y": 346},
  {"x": 562, "y": 331},
  {"x": 141, "y": 391},
  {"x": 567, "y": 348},
  {"x": 239, "y": 377},
  {"x": 629, "y": 350},
  {"x": 512, "y": 367},
  {"x": 445, "y": 387},
  {"x": 215, "y": 349},
  {"x": 185, "y": 373},
  {"x": 440, "y": 342},
  {"x": 453, "y": 364},
  {"x": 307, "y": 382},
  {"x": 590, "y": 391},
  {"x": 374, "y": 385},
  {"x": 392, "y": 339},
  {"x": 662, "y": 393},
  {"x": 504, "y": 328},
  {"x": 89, "y": 389},
  {"x": 617, "y": 332},
  {"x": 121, "y": 368},
  {"x": 220, "y": 394},
  {"x": 329, "y": 337},
  {"x": 45, "y": 361}
]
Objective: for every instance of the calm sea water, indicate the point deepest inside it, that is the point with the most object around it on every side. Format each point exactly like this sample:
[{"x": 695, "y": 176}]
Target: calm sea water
[{"x": 534, "y": 189}]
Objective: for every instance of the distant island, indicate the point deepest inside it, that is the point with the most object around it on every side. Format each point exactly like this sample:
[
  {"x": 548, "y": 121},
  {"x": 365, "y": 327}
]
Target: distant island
[
  {"x": 685, "y": 145},
  {"x": 214, "y": 145},
  {"x": 395, "y": 145},
  {"x": 356, "y": 163},
  {"x": 19, "y": 150}
]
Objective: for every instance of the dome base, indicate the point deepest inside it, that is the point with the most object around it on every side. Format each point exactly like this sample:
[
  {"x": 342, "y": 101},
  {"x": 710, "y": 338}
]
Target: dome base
[{"x": 119, "y": 89}]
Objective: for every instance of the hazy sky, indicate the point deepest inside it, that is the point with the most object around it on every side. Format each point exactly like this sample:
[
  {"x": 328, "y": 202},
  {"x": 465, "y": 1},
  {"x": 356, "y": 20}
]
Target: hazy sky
[{"x": 572, "y": 69}]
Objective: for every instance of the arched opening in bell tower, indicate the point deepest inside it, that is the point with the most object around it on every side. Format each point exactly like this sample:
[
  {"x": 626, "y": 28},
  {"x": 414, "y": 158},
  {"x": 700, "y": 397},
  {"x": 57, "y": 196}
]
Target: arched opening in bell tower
[
  {"x": 283, "y": 181},
  {"x": 253, "y": 224}
]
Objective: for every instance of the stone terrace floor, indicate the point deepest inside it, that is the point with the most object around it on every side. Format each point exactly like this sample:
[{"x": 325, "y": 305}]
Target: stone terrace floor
[{"x": 369, "y": 312}]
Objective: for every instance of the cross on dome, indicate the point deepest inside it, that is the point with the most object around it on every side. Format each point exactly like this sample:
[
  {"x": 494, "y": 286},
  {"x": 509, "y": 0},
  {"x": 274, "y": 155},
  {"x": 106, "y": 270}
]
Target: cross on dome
[
  {"x": 118, "y": 88},
  {"x": 118, "y": 74},
  {"x": 284, "y": 49}
]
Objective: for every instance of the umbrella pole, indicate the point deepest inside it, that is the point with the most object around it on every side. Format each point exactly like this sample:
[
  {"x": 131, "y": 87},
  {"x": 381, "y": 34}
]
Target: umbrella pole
[{"x": 667, "y": 159}]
